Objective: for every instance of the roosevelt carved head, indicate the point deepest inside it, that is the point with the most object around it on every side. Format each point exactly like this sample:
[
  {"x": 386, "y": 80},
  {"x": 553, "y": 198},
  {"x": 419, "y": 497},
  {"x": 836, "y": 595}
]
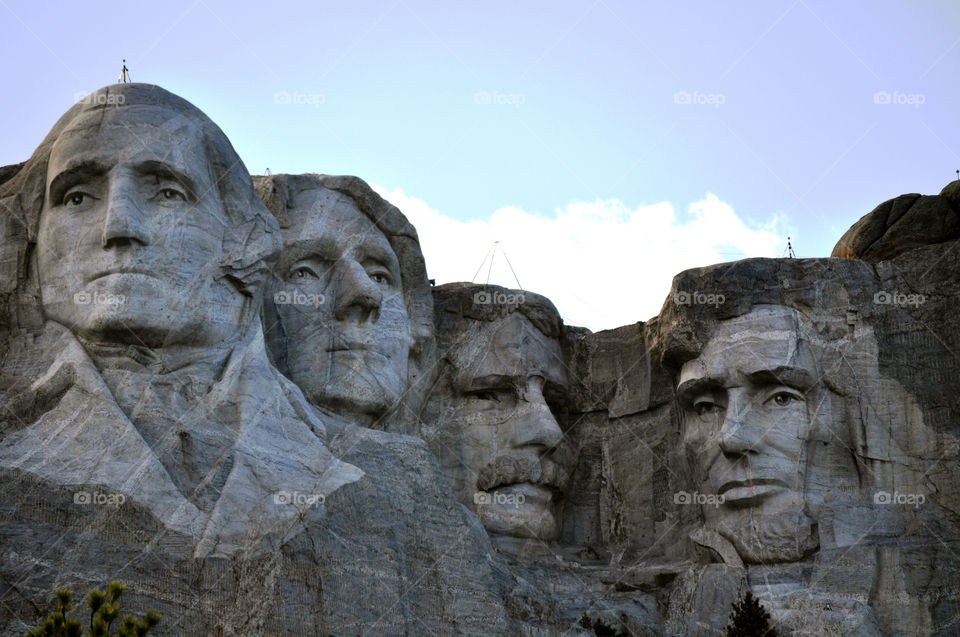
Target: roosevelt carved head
[{"x": 492, "y": 416}]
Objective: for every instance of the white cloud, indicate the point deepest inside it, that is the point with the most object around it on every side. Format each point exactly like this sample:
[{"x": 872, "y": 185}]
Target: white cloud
[{"x": 602, "y": 264}]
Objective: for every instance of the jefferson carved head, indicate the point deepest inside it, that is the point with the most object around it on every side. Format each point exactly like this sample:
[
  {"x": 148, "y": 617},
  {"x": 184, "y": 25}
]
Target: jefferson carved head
[
  {"x": 492, "y": 416},
  {"x": 348, "y": 316},
  {"x": 143, "y": 224}
]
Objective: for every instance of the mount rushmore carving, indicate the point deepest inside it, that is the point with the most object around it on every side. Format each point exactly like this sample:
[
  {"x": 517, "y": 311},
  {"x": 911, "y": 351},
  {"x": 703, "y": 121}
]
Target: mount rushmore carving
[{"x": 243, "y": 397}]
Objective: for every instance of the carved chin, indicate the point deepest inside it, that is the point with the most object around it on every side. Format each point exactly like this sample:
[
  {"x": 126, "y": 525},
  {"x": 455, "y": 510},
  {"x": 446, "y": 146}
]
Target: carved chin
[
  {"x": 356, "y": 401},
  {"x": 362, "y": 383},
  {"x": 359, "y": 398},
  {"x": 773, "y": 539},
  {"x": 519, "y": 510},
  {"x": 538, "y": 524}
]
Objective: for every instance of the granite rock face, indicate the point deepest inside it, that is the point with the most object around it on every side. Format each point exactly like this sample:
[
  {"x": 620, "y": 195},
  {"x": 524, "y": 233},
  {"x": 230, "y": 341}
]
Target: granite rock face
[
  {"x": 9, "y": 172},
  {"x": 243, "y": 398},
  {"x": 146, "y": 435},
  {"x": 794, "y": 420}
]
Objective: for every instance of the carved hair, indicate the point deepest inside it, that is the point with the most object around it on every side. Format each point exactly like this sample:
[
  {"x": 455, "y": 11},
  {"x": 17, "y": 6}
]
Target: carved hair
[{"x": 458, "y": 302}]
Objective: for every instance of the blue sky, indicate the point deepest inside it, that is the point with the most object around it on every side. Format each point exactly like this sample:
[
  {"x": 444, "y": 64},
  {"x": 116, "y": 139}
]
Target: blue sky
[{"x": 672, "y": 134}]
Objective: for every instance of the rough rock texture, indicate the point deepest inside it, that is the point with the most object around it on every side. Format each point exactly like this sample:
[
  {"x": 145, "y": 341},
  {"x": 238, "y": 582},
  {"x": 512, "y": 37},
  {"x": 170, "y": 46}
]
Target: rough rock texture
[
  {"x": 886, "y": 531},
  {"x": 8, "y": 172},
  {"x": 145, "y": 435},
  {"x": 902, "y": 223},
  {"x": 206, "y": 391}
]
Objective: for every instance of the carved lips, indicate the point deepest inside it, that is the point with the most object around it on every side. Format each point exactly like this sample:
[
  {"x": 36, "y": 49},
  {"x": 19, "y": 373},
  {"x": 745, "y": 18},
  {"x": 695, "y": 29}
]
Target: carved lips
[
  {"x": 747, "y": 492},
  {"x": 120, "y": 270}
]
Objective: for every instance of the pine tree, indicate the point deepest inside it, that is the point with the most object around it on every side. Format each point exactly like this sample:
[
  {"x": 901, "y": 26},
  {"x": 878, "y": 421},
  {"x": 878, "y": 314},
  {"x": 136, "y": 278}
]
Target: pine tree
[
  {"x": 750, "y": 619},
  {"x": 104, "y": 610}
]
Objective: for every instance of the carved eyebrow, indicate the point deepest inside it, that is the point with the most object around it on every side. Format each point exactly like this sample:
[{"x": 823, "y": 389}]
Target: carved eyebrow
[
  {"x": 323, "y": 249},
  {"x": 166, "y": 171},
  {"x": 490, "y": 381},
  {"x": 688, "y": 389},
  {"x": 90, "y": 168},
  {"x": 795, "y": 377},
  {"x": 72, "y": 174},
  {"x": 384, "y": 255}
]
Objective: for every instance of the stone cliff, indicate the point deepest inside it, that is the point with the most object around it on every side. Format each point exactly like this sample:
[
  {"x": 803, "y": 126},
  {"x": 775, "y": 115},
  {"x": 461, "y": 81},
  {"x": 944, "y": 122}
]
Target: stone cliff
[{"x": 243, "y": 398}]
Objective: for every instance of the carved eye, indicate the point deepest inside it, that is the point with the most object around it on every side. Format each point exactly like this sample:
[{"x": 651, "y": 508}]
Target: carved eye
[
  {"x": 380, "y": 277},
  {"x": 303, "y": 273},
  {"x": 76, "y": 198},
  {"x": 495, "y": 395},
  {"x": 172, "y": 194},
  {"x": 705, "y": 407},
  {"x": 782, "y": 399}
]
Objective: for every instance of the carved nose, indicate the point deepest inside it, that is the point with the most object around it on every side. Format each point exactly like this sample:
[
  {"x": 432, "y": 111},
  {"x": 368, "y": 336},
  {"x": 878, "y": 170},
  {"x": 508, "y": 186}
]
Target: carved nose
[
  {"x": 123, "y": 224},
  {"x": 738, "y": 436},
  {"x": 534, "y": 424},
  {"x": 357, "y": 297}
]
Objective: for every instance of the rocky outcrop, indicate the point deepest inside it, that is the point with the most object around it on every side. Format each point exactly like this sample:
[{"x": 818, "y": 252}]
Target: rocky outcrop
[
  {"x": 903, "y": 223},
  {"x": 882, "y": 340},
  {"x": 8, "y": 172}
]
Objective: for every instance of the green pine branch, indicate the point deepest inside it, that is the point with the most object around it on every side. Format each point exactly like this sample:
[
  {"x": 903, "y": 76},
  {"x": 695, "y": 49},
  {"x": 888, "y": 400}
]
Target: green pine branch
[{"x": 104, "y": 610}]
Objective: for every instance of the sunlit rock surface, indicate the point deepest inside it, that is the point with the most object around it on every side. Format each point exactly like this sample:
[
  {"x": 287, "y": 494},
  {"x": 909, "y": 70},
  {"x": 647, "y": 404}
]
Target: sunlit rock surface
[{"x": 250, "y": 406}]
